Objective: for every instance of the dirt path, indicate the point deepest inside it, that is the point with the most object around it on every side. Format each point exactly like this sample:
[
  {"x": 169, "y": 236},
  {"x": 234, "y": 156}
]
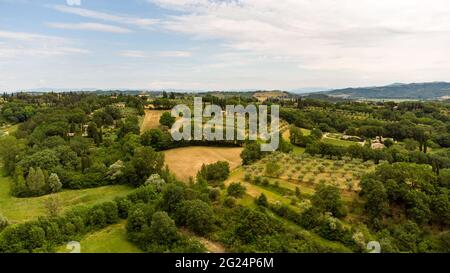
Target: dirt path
[{"x": 212, "y": 247}]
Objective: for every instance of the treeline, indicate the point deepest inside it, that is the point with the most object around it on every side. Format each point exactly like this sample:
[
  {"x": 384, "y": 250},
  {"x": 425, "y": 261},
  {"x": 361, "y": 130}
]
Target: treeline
[{"x": 162, "y": 140}]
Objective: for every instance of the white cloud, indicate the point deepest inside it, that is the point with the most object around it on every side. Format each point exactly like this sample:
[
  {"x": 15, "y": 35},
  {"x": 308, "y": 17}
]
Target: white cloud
[
  {"x": 26, "y": 44},
  {"x": 120, "y": 19},
  {"x": 176, "y": 54},
  {"x": 353, "y": 38},
  {"x": 73, "y": 2},
  {"x": 133, "y": 54},
  {"x": 90, "y": 27},
  {"x": 143, "y": 54},
  {"x": 26, "y": 36}
]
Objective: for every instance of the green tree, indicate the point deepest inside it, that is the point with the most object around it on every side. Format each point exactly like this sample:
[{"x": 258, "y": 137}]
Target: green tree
[
  {"x": 10, "y": 149},
  {"x": 273, "y": 169},
  {"x": 197, "y": 216},
  {"x": 251, "y": 153},
  {"x": 317, "y": 133},
  {"x": 144, "y": 163},
  {"x": 54, "y": 183},
  {"x": 130, "y": 125},
  {"x": 94, "y": 133},
  {"x": 172, "y": 196},
  {"x": 156, "y": 138},
  {"x": 262, "y": 201},
  {"x": 53, "y": 205},
  {"x": 36, "y": 182},
  {"x": 411, "y": 144},
  {"x": 214, "y": 173},
  {"x": 295, "y": 135},
  {"x": 167, "y": 119},
  {"x": 236, "y": 190},
  {"x": 19, "y": 186},
  {"x": 3, "y": 222},
  {"x": 327, "y": 198},
  {"x": 162, "y": 229},
  {"x": 377, "y": 204},
  {"x": 418, "y": 206}
]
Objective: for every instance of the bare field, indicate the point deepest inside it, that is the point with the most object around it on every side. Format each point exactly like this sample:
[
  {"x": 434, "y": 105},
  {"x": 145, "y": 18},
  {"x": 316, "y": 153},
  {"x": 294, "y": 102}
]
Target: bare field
[
  {"x": 186, "y": 162},
  {"x": 151, "y": 119}
]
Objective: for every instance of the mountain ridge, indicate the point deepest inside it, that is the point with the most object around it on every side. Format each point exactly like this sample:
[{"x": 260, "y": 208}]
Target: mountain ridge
[{"x": 425, "y": 90}]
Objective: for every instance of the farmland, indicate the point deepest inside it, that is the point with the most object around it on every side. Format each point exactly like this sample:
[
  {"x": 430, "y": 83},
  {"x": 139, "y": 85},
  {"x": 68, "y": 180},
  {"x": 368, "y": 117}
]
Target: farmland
[
  {"x": 186, "y": 162},
  {"x": 151, "y": 119}
]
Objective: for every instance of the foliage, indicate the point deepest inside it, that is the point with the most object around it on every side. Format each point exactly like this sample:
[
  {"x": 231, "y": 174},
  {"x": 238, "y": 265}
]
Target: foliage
[{"x": 236, "y": 190}]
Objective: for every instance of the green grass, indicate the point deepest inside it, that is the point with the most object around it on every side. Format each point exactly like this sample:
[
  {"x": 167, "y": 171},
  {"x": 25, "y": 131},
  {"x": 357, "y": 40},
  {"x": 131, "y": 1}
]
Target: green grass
[
  {"x": 298, "y": 150},
  {"x": 9, "y": 129},
  {"x": 19, "y": 210},
  {"x": 112, "y": 239},
  {"x": 338, "y": 142}
]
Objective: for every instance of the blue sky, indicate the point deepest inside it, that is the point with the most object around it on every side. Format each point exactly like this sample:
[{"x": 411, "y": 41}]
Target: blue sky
[{"x": 222, "y": 45}]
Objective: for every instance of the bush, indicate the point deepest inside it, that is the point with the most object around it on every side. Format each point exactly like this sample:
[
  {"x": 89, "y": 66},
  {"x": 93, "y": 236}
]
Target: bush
[
  {"x": 236, "y": 190},
  {"x": 123, "y": 207},
  {"x": 262, "y": 201},
  {"x": 3, "y": 222},
  {"x": 328, "y": 199},
  {"x": 214, "y": 194},
  {"x": 230, "y": 202},
  {"x": 215, "y": 173},
  {"x": 196, "y": 215}
]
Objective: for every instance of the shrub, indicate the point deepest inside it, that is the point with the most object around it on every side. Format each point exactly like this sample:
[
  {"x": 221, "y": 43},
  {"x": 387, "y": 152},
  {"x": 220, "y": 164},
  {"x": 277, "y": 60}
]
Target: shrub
[
  {"x": 215, "y": 173},
  {"x": 214, "y": 194},
  {"x": 3, "y": 222},
  {"x": 197, "y": 216},
  {"x": 229, "y": 202},
  {"x": 262, "y": 200},
  {"x": 236, "y": 190}
]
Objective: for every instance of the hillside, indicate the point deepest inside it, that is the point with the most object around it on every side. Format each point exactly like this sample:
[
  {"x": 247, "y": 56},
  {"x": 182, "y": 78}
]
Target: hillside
[{"x": 424, "y": 91}]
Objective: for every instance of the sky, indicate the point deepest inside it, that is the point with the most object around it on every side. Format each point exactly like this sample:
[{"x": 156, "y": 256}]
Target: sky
[{"x": 222, "y": 44}]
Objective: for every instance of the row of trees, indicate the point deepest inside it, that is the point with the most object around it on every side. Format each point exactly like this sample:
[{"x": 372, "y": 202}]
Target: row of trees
[{"x": 438, "y": 160}]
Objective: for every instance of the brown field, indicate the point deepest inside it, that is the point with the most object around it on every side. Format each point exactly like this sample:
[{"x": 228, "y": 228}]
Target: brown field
[
  {"x": 263, "y": 96},
  {"x": 151, "y": 119},
  {"x": 186, "y": 162}
]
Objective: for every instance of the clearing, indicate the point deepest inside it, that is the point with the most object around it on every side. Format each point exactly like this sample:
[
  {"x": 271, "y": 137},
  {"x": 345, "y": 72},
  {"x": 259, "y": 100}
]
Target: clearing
[
  {"x": 186, "y": 162},
  {"x": 151, "y": 119},
  {"x": 18, "y": 210},
  {"x": 112, "y": 239}
]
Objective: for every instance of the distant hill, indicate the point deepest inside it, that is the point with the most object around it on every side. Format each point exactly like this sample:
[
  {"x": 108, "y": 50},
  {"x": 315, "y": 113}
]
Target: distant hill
[{"x": 422, "y": 91}]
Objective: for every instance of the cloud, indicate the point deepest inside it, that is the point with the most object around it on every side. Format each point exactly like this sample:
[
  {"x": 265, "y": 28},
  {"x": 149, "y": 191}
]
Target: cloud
[
  {"x": 120, "y": 19},
  {"x": 176, "y": 54},
  {"x": 143, "y": 54},
  {"x": 352, "y": 37},
  {"x": 90, "y": 27},
  {"x": 133, "y": 54},
  {"x": 26, "y": 44},
  {"x": 26, "y": 36},
  {"x": 73, "y": 2}
]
